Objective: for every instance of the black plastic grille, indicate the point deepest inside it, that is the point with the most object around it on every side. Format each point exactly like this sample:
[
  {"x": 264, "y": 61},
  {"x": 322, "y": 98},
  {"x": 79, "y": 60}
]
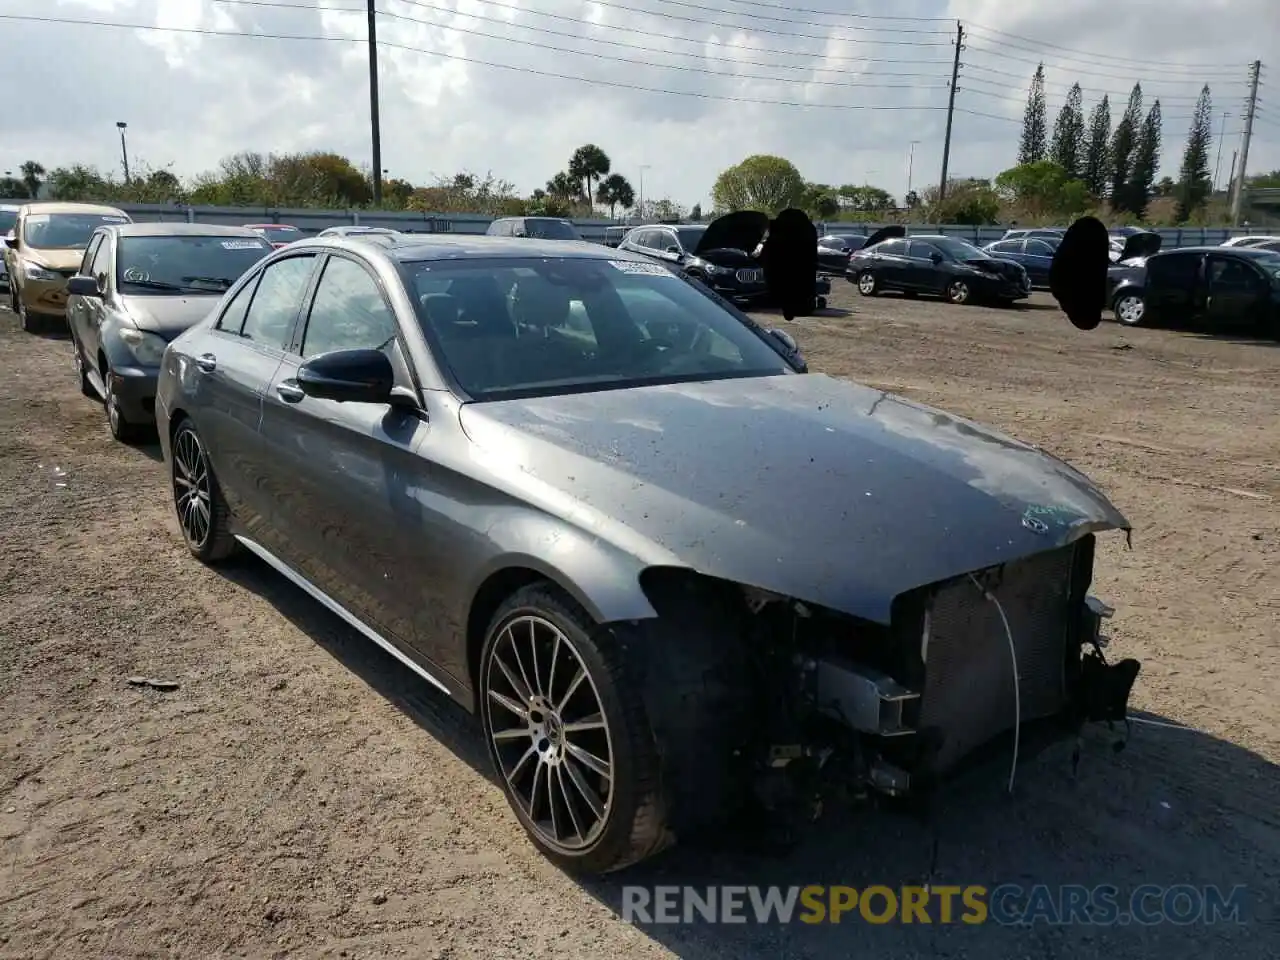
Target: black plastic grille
[{"x": 969, "y": 687}]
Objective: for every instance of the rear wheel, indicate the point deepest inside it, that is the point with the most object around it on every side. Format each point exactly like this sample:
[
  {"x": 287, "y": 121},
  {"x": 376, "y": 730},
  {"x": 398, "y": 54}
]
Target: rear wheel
[
  {"x": 958, "y": 292},
  {"x": 867, "y": 284},
  {"x": 203, "y": 515},
  {"x": 1130, "y": 309}
]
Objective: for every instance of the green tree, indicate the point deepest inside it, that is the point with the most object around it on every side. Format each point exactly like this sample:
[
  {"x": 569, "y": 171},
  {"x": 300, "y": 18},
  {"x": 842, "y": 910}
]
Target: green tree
[
  {"x": 1268, "y": 181},
  {"x": 1123, "y": 142},
  {"x": 11, "y": 188},
  {"x": 820, "y": 201},
  {"x": 588, "y": 165},
  {"x": 1034, "y": 143},
  {"x": 1068, "y": 146},
  {"x": 1043, "y": 189},
  {"x": 865, "y": 198},
  {"x": 665, "y": 209},
  {"x": 1194, "y": 184},
  {"x": 696, "y": 213},
  {"x": 1146, "y": 161},
  {"x": 760, "y": 182},
  {"x": 972, "y": 202},
  {"x": 32, "y": 177},
  {"x": 615, "y": 191},
  {"x": 79, "y": 183},
  {"x": 1097, "y": 149},
  {"x": 563, "y": 186}
]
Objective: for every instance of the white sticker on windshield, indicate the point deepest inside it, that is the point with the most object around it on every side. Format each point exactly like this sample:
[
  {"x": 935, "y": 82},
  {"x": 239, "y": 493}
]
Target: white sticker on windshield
[
  {"x": 642, "y": 269},
  {"x": 243, "y": 245}
]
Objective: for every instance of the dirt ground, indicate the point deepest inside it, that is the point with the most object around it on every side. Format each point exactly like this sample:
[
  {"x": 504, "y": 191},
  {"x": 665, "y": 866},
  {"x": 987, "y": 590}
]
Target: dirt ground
[{"x": 301, "y": 795}]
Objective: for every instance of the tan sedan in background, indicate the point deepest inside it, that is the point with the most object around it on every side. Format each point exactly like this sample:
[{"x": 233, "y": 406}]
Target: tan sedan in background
[{"x": 44, "y": 252}]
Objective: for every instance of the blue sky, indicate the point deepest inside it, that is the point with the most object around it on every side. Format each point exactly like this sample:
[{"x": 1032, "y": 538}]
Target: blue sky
[{"x": 476, "y": 85}]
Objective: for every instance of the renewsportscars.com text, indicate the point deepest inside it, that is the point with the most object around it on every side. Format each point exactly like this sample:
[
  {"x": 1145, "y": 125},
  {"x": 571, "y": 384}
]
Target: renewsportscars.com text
[{"x": 1006, "y": 904}]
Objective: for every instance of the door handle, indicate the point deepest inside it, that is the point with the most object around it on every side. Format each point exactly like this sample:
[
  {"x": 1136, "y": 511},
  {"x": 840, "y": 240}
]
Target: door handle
[
  {"x": 289, "y": 391},
  {"x": 207, "y": 362}
]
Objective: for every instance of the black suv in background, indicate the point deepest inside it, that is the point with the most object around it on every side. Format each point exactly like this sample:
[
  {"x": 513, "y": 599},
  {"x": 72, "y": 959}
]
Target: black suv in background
[
  {"x": 718, "y": 254},
  {"x": 540, "y": 228}
]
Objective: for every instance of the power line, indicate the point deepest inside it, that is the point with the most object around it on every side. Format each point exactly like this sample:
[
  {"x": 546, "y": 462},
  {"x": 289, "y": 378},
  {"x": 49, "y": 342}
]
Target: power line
[
  {"x": 832, "y": 13},
  {"x": 1145, "y": 64},
  {"x": 610, "y": 5},
  {"x": 1163, "y": 98},
  {"x": 1147, "y": 88},
  {"x": 208, "y": 31},
  {"x": 997, "y": 50}
]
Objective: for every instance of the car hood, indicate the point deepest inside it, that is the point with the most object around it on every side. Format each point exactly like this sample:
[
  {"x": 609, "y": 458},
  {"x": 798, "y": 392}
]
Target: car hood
[
  {"x": 891, "y": 232},
  {"x": 169, "y": 316},
  {"x": 808, "y": 486},
  {"x": 1140, "y": 245},
  {"x": 54, "y": 259},
  {"x": 742, "y": 230}
]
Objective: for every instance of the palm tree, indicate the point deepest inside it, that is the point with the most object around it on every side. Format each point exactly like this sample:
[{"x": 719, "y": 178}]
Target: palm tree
[
  {"x": 615, "y": 191},
  {"x": 563, "y": 186},
  {"x": 588, "y": 165},
  {"x": 32, "y": 177}
]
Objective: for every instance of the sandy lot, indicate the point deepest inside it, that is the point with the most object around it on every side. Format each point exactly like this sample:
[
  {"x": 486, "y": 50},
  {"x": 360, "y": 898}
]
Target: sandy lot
[{"x": 300, "y": 795}]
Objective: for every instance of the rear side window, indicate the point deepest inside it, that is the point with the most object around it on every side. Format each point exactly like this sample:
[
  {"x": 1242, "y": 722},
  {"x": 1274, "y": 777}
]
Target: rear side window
[
  {"x": 276, "y": 302},
  {"x": 1174, "y": 270},
  {"x": 1039, "y": 248}
]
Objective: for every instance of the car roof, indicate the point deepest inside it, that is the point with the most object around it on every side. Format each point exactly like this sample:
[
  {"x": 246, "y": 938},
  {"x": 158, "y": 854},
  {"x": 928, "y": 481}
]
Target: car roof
[
  {"x": 278, "y": 226},
  {"x": 46, "y": 206},
  {"x": 180, "y": 229},
  {"x": 10, "y": 206},
  {"x": 1249, "y": 252},
  {"x": 407, "y": 248}
]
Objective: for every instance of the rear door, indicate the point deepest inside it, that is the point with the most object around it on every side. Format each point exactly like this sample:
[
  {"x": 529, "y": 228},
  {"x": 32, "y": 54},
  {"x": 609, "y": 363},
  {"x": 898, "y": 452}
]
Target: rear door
[
  {"x": 236, "y": 363},
  {"x": 1237, "y": 294},
  {"x": 890, "y": 262},
  {"x": 342, "y": 473},
  {"x": 1174, "y": 288},
  {"x": 920, "y": 272},
  {"x": 1037, "y": 258}
]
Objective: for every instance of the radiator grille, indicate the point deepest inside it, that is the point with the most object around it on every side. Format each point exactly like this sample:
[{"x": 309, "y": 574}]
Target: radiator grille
[
  {"x": 969, "y": 688},
  {"x": 750, "y": 275}
]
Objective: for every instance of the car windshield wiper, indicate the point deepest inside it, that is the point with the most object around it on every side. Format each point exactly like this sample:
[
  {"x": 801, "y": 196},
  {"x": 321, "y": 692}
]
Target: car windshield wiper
[
  {"x": 222, "y": 282},
  {"x": 153, "y": 285}
]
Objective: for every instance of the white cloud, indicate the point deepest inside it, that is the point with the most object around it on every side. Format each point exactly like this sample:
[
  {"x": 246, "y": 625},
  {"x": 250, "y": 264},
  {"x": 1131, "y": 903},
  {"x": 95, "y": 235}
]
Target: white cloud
[{"x": 192, "y": 98}]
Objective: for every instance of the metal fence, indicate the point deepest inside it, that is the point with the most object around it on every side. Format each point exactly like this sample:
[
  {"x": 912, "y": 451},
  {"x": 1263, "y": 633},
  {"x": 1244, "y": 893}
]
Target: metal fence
[{"x": 311, "y": 221}]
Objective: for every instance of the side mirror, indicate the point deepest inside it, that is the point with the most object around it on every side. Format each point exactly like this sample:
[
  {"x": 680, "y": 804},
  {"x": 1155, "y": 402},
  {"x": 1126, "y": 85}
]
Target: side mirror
[
  {"x": 82, "y": 286},
  {"x": 935, "y": 257},
  {"x": 11, "y": 242},
  {"x": 673, "y": 250},
  {"x": 348, "y": 376}
]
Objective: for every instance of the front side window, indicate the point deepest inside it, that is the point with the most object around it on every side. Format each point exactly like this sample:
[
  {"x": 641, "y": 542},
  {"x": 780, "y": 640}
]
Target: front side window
[
  {"x": 101, "y": 262},
  {"x": 183, "y": 264},
  {"x": 64, "y": 231},
  {"x": 269, "y": 320},
  {"x": 86, "y": 262},
  {"x": 348, "y": 312},
  {"x": 958, "y": 249},
  {"x": 892, "y": 248},
  {"x": 532, "y": 327}
]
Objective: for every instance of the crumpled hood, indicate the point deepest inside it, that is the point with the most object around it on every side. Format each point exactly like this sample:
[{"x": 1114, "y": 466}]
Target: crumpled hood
[
  {"x": 805, "y": 485},
  {"x": 741, "y": 230},
  {"x": 169, "y": 316},
  {"x": 54, "y": 259}
]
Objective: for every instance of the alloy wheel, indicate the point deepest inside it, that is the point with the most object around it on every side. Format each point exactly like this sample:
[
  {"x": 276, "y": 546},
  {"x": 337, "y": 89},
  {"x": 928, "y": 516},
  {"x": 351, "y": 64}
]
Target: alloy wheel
[
  {"x": 109, "y": 401},
  {"x": 1130, "y": 310},
  {"x": 866, "y": 284},
  {"x": 958, "y": 292},
  {"x": 191, "y": 488},
  {"x": 549, "y": 734}
]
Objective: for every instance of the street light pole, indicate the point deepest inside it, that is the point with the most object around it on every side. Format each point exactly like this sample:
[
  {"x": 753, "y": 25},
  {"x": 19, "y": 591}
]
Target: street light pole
[
  {"x": 911, "y": 160},
  {"x": 643, "y": 168},
  {"x": 124, "y": 149}
]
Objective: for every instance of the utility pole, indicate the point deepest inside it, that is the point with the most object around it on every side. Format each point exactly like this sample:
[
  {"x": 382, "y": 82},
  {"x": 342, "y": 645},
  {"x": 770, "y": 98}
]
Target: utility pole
[
  {"x": 1255, "y": 74},
  {"x": 1217, "y": 164},
  {"x": 911, "y": 161},
  {"x": 640, "y": 206},
  {"x": 124, "y": 150},
  {"x": 951, "y": 110},
  {"x": 374, "y": 122}
]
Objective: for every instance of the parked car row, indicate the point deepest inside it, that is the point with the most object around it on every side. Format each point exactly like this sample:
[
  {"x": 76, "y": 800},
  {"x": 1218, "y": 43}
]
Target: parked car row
[
  {"x": 942, "y": 266},
  {"x": 533, "y": 472}
]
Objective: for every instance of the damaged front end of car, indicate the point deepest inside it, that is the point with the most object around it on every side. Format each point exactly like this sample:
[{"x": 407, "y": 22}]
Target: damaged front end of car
[{"x": 845, "y": 709}]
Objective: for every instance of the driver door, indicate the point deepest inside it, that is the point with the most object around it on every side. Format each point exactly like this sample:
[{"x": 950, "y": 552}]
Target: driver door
[
  {"x": 922, "y": 273},
  {"x": 345, "y": 472}
]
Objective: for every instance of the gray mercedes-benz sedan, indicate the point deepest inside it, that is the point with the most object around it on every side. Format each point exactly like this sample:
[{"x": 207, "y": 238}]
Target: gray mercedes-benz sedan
[
  {"x": 138, "y": 286},
  {"x": 600, "y": 506}
]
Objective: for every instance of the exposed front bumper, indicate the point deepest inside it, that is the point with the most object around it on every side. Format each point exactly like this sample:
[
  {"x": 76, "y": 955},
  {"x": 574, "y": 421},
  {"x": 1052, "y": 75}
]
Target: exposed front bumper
[
  {"x": 135, "y": 391},
  {"x": 45, "y": 298}
]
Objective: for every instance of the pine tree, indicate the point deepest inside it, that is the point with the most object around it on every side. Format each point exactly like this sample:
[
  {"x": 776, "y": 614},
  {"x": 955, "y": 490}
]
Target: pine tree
[
  {"x": 1146, "y": 161},
  {"x": 1122, "y": 144},
  {"x": 1034, "y": 122},
  {"x": 1097, "y": 149},
  {"x": 1193, "y": 176},
  {"x": 1067, "y": 149}
]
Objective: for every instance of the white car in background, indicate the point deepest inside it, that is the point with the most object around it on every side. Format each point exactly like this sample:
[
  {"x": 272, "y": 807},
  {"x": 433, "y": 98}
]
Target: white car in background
[
  {"x": 8, "y": 218},
  {"x": 1250, "y": 241}
]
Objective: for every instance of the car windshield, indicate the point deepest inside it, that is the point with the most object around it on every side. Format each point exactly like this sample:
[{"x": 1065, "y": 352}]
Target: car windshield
[
  {"x": 550, "y": 230},
  {"x": 64, "y": 231},
  {"x": 530, "y": 327},
  {"x": 1269, "y": 261},
  {"x": 690, "y": 237},
  {"x": 167, "y": 265},
  {"x": 281, "y": 234},
  {"x": 7, "y": 219},
  {"x": 959, "y": 249}
]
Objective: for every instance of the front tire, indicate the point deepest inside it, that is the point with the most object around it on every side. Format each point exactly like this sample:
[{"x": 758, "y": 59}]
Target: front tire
[
  {"x": 121, "y": 429},
  {"x": 82, "y": 371},
  {"x": 958, "y": 292},
  {"x": 867, "y": 285},
  {"x": 203, "y": 515},
  {"x": 1130, "y": 309},
  {"x": 568, "y": 735}
]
